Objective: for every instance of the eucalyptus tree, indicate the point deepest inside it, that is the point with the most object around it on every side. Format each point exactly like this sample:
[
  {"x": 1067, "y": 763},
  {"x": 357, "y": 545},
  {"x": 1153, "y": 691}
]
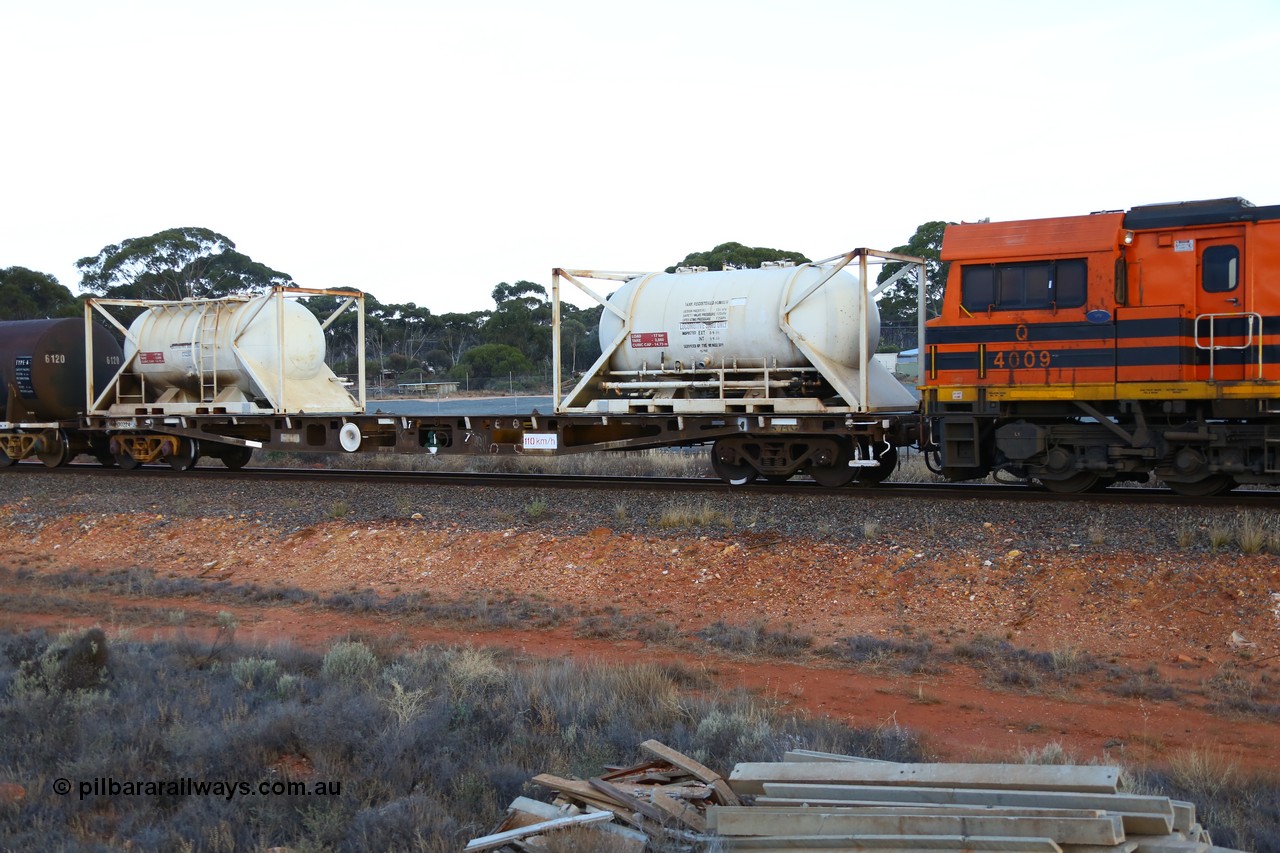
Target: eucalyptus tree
[
  {"x": 29, "y": 295},
  {"x": 178, "y": 263}
]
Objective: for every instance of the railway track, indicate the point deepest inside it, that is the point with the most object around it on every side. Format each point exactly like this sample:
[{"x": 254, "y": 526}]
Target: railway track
[{"x": 1242, "y": 498}]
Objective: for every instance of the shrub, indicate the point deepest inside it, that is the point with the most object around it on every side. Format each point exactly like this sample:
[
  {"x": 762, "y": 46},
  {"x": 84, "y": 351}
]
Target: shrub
[
  {"x": 350, "y": 664},
  {"x": 755, "y": 639},
  {"x": 73, "y": 662},
  {"x": 253, "y": 672},
  {"x": 908, "y": 657}
]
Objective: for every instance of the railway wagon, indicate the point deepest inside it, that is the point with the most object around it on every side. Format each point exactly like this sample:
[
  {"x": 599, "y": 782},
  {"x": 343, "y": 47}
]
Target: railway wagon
[
  {"x": 779, "y": 358},
  {"x": 42, "y": 369},
  {"x": 1083, "y": 350}
]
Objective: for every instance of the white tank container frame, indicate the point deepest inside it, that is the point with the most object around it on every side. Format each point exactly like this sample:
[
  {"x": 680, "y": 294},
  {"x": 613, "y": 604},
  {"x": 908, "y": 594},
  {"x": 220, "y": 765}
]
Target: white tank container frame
[
  {"x": 273, "y": 384},
  {"x": 861, "y": 393}
]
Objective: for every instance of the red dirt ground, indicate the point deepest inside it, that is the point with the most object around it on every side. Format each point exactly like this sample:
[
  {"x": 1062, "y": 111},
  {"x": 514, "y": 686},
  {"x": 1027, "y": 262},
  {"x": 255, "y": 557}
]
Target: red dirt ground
[{"x": 1176, "y": 613}]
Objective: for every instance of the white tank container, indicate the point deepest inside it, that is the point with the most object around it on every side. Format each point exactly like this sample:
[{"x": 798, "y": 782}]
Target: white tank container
[
  {"x": 711, "y": 319},
  {"x": 233, "y": 350}
]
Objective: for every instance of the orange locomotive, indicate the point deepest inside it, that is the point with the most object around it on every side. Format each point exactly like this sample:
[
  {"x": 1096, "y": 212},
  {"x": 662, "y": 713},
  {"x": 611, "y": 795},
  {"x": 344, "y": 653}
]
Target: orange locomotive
[{"x": 1082, "y": 350}]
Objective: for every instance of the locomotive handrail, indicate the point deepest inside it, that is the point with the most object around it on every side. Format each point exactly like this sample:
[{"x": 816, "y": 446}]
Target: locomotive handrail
[{"x": 1250, "y": 318}]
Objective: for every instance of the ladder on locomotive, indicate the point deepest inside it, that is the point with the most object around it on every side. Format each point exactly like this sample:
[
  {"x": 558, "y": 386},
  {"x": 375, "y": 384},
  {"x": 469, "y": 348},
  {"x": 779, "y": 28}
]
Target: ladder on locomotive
[{"x": 209, "y": 353}]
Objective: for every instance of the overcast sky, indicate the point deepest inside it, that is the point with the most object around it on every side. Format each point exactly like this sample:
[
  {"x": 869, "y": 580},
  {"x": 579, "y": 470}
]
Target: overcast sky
[{"x": 426, "y": 151}]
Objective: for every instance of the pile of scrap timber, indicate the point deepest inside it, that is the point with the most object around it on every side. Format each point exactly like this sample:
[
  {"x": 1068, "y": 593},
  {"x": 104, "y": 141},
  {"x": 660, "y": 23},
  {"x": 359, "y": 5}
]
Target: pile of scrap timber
[
  {"x": 822, "y": 802},
  {"x": 661, "y": 802}
]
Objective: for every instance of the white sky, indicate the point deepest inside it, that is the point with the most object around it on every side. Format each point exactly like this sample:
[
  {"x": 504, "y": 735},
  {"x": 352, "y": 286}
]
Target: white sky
[{"x": 425, "y": 151}]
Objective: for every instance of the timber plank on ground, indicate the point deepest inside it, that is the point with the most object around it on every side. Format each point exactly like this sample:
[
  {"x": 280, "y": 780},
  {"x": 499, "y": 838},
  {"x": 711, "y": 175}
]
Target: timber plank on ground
[
  {"x": 751, "y": 777},
  {"x": 1169, "y": 844},
  {"x": 1184, "y": 815},
  {"x": 765, "y": 820},
  {"x": 489, "y": 842},
  {"x": 680, "y": 810},
  {"x": 896, "y": 843},
  {"x": 1143, "y": 814},
  {"x": 696, "y": 769},
  {"x": 803, "y": 755}
]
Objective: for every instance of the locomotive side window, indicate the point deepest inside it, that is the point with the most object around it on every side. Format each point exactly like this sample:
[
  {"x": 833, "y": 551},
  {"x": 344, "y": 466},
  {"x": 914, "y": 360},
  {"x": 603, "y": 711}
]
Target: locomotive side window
[
  {"x": 1069, "y": 283},
  {"x": 977, "y": 288},
  {"x": 1012, "y": 287},
  {"x": 1220, "y": 269}
]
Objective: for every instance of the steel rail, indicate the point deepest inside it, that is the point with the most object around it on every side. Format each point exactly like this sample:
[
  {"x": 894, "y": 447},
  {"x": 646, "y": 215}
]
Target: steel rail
[{"x": 1243, "y": 498}]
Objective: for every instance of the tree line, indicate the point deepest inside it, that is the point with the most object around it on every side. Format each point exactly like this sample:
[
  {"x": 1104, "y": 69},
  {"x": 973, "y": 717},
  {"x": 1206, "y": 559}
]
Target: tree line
[{"x": 404, "y": 341}]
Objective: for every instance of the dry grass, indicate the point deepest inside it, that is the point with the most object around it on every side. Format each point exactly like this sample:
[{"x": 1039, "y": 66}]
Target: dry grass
[
  {"x": 696, "y": 514},
  {"x": 1252, "y": 532},
  {"x": 1202, "y": 770}
]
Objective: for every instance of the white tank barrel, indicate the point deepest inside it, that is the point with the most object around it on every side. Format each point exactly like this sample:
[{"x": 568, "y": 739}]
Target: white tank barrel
[
  {"x": 235, "y": 350},
  {"x": 712, "y": 319},
  {"x": 779, "y": 339}
]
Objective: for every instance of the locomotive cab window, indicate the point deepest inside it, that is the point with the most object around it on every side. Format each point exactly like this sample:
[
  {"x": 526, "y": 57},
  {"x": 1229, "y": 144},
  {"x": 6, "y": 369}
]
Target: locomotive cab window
[
  {"x": 1220, "y": 269},
  {"x": 1012, "y": 287}
]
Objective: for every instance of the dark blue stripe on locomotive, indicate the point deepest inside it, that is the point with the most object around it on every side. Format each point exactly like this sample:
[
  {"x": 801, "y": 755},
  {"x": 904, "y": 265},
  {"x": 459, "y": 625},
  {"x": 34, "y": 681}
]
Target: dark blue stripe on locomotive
[
  {"x": 1154, "y": 327},
  {"x": 1008, "y": 333},
  {"x": 1157, "y": 356}
]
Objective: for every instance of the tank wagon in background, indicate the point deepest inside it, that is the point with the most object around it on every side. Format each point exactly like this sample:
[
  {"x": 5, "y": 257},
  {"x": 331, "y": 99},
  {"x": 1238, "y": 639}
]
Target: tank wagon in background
[
  {"x": 1083, "y": 350},
  {"x": 43, "y": 367}
]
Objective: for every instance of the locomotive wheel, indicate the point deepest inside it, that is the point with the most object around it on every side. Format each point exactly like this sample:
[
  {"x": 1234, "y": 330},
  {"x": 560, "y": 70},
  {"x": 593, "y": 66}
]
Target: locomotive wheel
[
  {"x": 836, "y": 472},
  {"x": 57, "y": 455},
  {"x": 236, "y": 457},
  {"x": 126, "y": 462},
  {"x": 1082, "y": 481},
  {"x": 185, "y": 457},
  {"x": 733, "y": 473},
  {"x": 1207, "y": 487}
]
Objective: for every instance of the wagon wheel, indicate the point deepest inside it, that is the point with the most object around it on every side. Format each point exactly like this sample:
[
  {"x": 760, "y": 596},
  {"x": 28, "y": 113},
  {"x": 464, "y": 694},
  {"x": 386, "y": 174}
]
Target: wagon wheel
[
  {"x": 880, "y": 473},
  {"x": 835, "y": 472},
  {"x": 1206, "y": 487},
  {"x": 6, "y": 460},
  {"x": 1081, "y": 481},
  {"x": 236, "y": 456},
  {"x": 737, "y": 473},
  {"x": 58, "y": 452},
  {"x": 185, "y": 456},
  {"x": 126, "y": 461}
]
